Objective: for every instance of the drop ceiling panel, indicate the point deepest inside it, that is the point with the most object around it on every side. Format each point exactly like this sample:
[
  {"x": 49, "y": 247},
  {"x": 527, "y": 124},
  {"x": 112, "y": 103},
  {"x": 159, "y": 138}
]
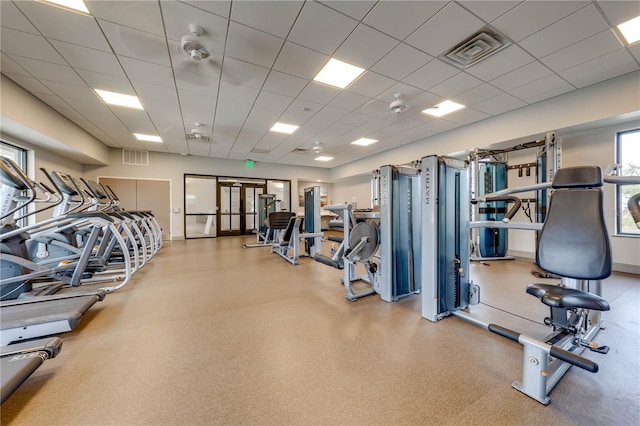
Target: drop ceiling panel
[
  {"x": 583, "y": 51},
  {"x": 530, "y": 17},
  {"x": 31, "y": 84},
  {"x": 199, "y": 148},
  {"x": 357, "y": 9},
  {"x": 602, "y": 68},
  {"x": 521, "y": 76},
  {"x": 152, "y": 73},
  {"x": 284, "y": 84},
  {"x": 500, "y": 63},
  {"x": 445, "y": 29},
  {"x": 271, "y": 104},
  {"x": 431, "y": 74},
  {"x": 619, "y": 11},
  {"x": 136, "y": 44},
  {"x": 456, "y": 85},
  {"x": 275, "y": 18},
  {"x": 196, "y": 83},
  {"x": 370, "y": 84},
  {"x": 318, "y": 93},
  {"x": 581, "y": 24},
  {"x": 489, "y": 10},
  {"x": 321, "y": 28},
  {"x": 27, "y": 45},
  {"x": 107, "y": 82},
  {"x": 12, "y": 17},
  {"x": 299, "y": 61},
  {"x": 401, "y": 61},
  {"x": 143, "y": 15},
  {"x": 543, "y": 88},
  {"x": 54, "y": 101},
  {"x": 365, "y": 46},
  {"x": 401, "y": 18},
  {"x": 478, "y": 94},
  {"x": 9, "y": 66},
  {"x": 179, "y": 16},
  {"x": 296, "y": 114},
  {"x": 89, "y": 59},
  {"x": 194, "y": 105},
  {"x": 152, "y": 93},
  {"x": 251, "y": 45},
  {"x": 498, "y": 104},
  {"x": 219, "y": 7},
  {"x": 48, "y": 71},
  {"x": 348, "y": 101},
  {"x": 243, "y": 73}
]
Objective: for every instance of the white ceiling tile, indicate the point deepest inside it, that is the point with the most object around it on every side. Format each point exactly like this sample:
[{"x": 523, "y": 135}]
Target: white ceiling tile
[
  {"x": 152, "y": 73},
  {"x": 9, "y": 66},
  {"x": 12, "y": 17},
  {"x": 455, "y": 85},
  {"x": 635, "y": 51},
  {"x": 489, "y": 10},
  {"x": 478, "y": 94},
  {"x": 243, "y": 73},
  {"x": 250, "y": 45},
  {"x": 541, "y": 89},
  {"x": 53, "y": 101},
  {"x": 219, "y": 7},
  {"x": 431, "y": 74},
  {"x": 284, "y": 84},
  {"x": 89, "y": 59},
  {"x": 195, "y": 107},
  {"x": 401, "y": 18},
  {"x": 581, "y": 24},
  {"x": 401, "y": 61},
  {"x": 318, "y": 93},
  {"x": 179, "y": 16},
  {"x": 370, "y": 84},
  {"x": 199, "y": 148},
  {"x": 357, "y": 9},
  {"x": 532, "y": 16},
  {"x": 67, "y": 91},
  {"x": 136, "y": 44},
  {"x": 155, "y": 93},
  {"x": 498, "y": 104},
  {"x": 59, "y": 24},
  {"x": 365, "y": 46},
  {"x": 29, "y": 83},
  {"x": 272, "y": 102},
  {"x": 500, "y": 63},
  {"x": 96, "y": 80},
  {"x": 275, "y": 18},
  {"x": 619, "y": 11},
  {"x": 599, "y": 69},
  {"x": 29, "y": 46},
  {"x": 197, "y": 83},
  {"x": 135, "y": 120},
  {"x": 521, "y": 76},
  {"x": 348, "y": 101},
  {"x": 49, "y": 72},
  {"x": 143, "y": 15},
  {"x": 583, "y": 51},
  {"x": 238, "y": 94},
  {"x": 406, "y": 91},
  {"x": 299, "y": 61},
  {"x": 321, "y": 28},
  {"x": 447, "y": 28}
]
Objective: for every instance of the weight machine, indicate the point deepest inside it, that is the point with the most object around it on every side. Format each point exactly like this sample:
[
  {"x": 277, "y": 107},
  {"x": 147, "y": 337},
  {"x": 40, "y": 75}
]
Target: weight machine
[{"x": 265, "y": 235}]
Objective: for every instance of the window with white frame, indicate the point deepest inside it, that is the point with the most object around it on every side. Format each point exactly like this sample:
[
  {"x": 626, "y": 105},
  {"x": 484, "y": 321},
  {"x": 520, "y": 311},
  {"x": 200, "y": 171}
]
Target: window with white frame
[{"x": 628, "y": 156}]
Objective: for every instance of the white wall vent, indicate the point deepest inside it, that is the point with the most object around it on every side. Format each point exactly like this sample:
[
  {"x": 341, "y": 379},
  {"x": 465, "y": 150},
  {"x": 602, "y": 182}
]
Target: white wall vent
[
  {"x": 479, "y": 46},
  {"x": 134, "y": 157}
]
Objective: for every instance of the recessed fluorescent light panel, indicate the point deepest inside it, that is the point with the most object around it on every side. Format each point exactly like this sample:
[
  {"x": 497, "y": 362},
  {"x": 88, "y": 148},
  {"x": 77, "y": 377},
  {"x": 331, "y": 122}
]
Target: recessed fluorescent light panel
[
  {"x": 74, "y": 5},
  {"x": 284, "y": 128},
  {"x": 119, "y": 99},
  {"x": 338, "y": 74},
  {"x": 443, "y": 108},
  {"x": 631, "y": 30},
  {"x": 148, "y": 138},
  {"x": 324, "y": 158},
  {"x": 364, "y": 142}
]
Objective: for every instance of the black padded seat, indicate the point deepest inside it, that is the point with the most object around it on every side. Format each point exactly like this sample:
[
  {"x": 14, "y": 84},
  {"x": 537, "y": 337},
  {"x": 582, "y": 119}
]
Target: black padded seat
[{"x": 567, "y": 298}]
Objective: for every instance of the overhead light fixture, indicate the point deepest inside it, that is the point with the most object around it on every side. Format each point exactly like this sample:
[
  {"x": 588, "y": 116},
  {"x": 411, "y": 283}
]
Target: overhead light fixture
[
  {"x": 338, "y": 74},
  {"x": 631, "y": 30},
  {"x": 443, "y": 108},
  {"x": 72, "y": 5},
  {"x": 148, "y": 138},
  {"x": 284, "y": 128},
  {"x": 364, "y": 142},
  {"x": 119, "y": 99},
  {"x": 324, "y": 158}
]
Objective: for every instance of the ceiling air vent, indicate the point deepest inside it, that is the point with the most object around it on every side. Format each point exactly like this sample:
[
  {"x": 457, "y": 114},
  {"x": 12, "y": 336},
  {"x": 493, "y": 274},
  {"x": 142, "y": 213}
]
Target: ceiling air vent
[
  {"x": 260, "y": 151},
  {"x": 299, "y": 151},
  {"x": 134, "y": 157},
  {"x": 479, "y": 46}
]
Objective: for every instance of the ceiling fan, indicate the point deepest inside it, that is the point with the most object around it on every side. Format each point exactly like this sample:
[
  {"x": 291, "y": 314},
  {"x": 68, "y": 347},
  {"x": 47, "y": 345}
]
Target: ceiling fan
[
  {"x": 317, "y": 148},
  {"x": 196, "y": 134},
  {"x": 395, "y": 108}
]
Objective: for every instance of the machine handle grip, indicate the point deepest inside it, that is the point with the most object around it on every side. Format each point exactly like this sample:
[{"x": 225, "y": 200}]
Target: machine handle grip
[
  {"x": 504, "y": 332},
  {"x": 571, "y": 358}
]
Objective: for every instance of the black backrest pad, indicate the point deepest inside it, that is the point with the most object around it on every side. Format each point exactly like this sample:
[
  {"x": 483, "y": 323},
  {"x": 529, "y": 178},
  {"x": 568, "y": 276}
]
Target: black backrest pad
[
  {"x": 578, "y": 177},
  {"x": 574, "y": 242},
  {"x": 280, "y": 220}
]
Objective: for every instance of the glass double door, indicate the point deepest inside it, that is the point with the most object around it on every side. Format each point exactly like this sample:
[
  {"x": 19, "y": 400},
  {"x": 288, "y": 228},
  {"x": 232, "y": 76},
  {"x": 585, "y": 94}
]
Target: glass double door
[{"x": 238, "y": 202}]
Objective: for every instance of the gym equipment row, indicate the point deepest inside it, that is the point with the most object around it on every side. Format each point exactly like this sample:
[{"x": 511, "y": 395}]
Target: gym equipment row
[
  {"x": 424, "y": 246},
  {"x": 55, "y": 269}
]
